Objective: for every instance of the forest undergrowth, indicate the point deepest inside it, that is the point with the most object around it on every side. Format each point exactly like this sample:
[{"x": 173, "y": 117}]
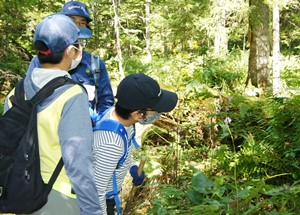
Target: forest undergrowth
[{"x": 222, "y": 150}]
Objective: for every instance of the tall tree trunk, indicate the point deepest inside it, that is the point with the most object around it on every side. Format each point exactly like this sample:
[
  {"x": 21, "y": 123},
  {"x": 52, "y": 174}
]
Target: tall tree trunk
[
  {"x": 277, "y": 87},
  {"x": 118, "y": 43},
  {"x": 96, "y": 33},
  {"x": 221, "y": 36},
  {"x": 6, "y": 36},
  {"x": 147, "y": 21},
  {"x": 258, "y": 67}
]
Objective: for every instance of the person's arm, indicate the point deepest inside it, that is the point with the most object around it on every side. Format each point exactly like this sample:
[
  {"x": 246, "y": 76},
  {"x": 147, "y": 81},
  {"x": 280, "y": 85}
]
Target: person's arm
[
  {"x": 107, "y": 151},
  {"x": 76, "y": 136},
  {"x": 104, "y": 90}
]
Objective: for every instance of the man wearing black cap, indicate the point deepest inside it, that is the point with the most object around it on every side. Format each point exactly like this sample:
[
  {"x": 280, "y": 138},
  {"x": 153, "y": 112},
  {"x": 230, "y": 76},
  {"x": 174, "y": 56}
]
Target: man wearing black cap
[
  {"x": 139, "y": 99},
  {"x": 98, "y": 86}
]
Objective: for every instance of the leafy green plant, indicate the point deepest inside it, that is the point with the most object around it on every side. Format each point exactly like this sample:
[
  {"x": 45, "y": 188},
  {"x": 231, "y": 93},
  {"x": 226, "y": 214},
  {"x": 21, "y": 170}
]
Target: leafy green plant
[
  {"x": 264, "y": 137},
  {"x": 170, "y": 201},
  {"x": 1, "y": 108},
  {"x": 12, "y": 61},
  {"x": 223, "y": 74},
  {"x": 205, "y": 195}
]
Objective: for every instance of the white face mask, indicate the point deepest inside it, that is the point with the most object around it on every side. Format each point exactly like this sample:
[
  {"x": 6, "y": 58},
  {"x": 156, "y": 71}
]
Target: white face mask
[{"x": 75, "y": 62}]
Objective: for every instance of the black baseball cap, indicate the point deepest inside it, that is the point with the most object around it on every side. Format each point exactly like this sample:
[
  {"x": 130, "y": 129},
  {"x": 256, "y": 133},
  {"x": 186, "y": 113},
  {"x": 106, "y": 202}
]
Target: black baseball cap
[{"x": 141, "y": 92}]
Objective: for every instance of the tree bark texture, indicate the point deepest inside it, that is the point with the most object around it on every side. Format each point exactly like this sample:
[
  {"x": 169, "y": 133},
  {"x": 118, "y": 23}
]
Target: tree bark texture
[
  {"x": 96, "y": 32},
  {"x": 147, "y": 21},
  {"x": 276, "y": 51},
  {"x": 221, "y": 33},
  {"x": 118, "y": 43},
  {"x": 259, "y": 56}
]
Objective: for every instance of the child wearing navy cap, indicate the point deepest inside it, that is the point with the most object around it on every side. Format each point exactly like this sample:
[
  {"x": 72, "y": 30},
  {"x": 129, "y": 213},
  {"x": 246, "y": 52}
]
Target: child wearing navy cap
[{"x": 139, "y": 99}]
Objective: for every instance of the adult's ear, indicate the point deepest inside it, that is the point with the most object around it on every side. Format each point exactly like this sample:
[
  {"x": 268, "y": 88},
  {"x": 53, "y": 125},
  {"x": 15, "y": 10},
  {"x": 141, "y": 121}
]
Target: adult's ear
[{"x": 70, "y": 52}]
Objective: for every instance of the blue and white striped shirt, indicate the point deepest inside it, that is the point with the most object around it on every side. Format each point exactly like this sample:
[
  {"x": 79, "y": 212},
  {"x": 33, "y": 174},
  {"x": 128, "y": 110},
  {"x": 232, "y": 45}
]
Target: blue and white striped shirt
[{"x": 108, "y": 148}]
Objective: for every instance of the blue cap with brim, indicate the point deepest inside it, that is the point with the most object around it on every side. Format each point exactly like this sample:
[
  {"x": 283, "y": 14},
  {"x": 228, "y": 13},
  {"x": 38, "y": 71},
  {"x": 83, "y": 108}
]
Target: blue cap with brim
[
  {"x": 57, "y": 31},
  {"x": 75, "y": 8},
  {"x": 85, "y": 32}
]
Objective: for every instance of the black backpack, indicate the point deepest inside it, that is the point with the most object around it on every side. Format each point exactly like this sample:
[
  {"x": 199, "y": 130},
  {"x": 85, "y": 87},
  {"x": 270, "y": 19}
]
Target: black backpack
[{"x": 22, "y": 189}]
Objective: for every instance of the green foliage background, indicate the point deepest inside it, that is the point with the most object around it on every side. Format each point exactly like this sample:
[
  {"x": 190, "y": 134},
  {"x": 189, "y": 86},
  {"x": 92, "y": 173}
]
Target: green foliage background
[{"x": 221, "y": 151}]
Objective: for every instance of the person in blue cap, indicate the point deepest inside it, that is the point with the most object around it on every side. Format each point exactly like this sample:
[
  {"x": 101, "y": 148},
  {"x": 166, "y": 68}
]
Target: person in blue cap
[
  {"x": 64, "y": 125},
  {"x": 94, "y": 78}
]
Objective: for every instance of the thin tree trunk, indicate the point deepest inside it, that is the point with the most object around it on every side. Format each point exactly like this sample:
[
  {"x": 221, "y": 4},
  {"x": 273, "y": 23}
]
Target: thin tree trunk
[
  {"x": 244, "y": 42},
  {"x": 221, "y": 37},
  {"x": 6, "y": 36},
  {"x": 277, "y": 87},
  {"x": 221, "y": 40},
  {"x": 96, "y": 25},
  {"x": 118, "y": 43},
  {"x": 147, "y": 21}
]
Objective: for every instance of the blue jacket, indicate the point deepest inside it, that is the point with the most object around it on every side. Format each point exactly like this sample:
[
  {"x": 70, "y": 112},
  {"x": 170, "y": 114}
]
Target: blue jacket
[{"x": 82, "y": 73}]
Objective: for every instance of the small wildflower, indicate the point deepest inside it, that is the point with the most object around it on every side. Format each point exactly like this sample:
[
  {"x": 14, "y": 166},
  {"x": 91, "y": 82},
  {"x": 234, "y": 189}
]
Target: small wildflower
[{"x": 227, "y": 120}]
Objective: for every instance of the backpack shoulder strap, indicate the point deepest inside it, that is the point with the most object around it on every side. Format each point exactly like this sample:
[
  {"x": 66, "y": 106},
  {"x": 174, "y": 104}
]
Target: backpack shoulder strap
[
  {"x": 95, "y": 116},
  {"x": 54, "y": 176},
  {"x": 19, "y": 92},
  {"x": 95, "y": 61},
  {"x": 135, "y": 143},
  {"x": 19, "y": 89},
  {"x": 18, "y": 99},
  {"x": 49, "y": 88},
  {"x": 114, "y": 126},
  {"x": 43, "y": 93}
]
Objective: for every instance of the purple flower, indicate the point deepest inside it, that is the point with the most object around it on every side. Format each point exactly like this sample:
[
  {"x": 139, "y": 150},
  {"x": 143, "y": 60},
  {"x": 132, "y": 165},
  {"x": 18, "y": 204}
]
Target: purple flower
[{"x": 227, "y": 120}]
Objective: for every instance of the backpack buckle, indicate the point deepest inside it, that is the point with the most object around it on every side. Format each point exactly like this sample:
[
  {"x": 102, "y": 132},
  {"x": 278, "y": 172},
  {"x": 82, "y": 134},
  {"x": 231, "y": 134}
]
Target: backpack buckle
[{"x": 27, "y": 175}]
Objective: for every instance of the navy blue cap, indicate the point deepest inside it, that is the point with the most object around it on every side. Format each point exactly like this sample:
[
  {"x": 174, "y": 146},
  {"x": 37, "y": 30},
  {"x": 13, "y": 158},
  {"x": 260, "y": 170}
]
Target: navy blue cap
[
  {"x": 58, "y": 32},
  {"x": 85, "y": 32},
  {"x": 141, "y": 92},
  {"x": 75, "y": 8}
]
